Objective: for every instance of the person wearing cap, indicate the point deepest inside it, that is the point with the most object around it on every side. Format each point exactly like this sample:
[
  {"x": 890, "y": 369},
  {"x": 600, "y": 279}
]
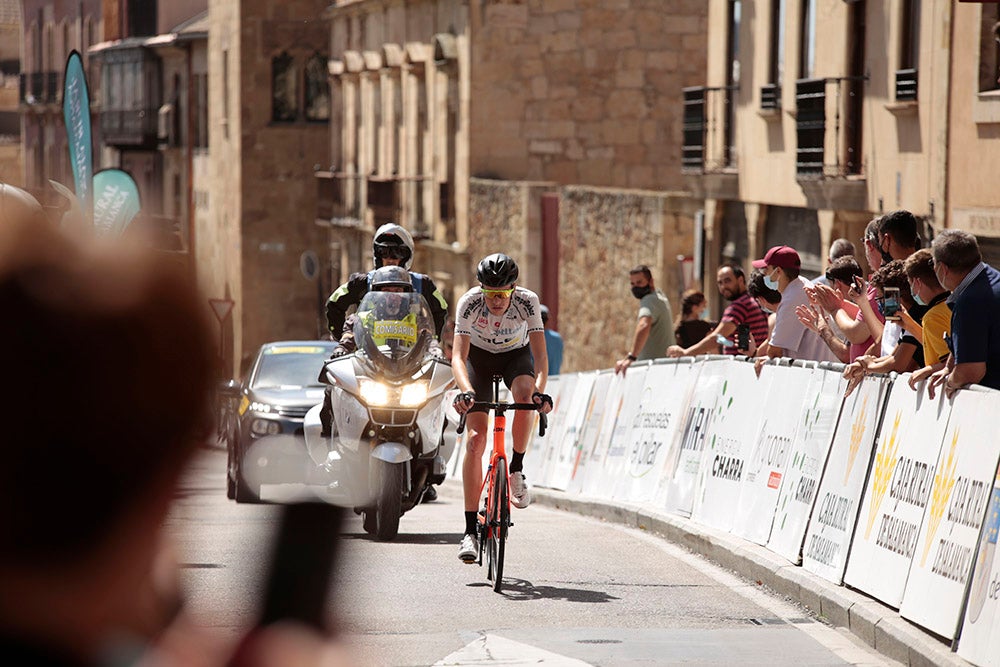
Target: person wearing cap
[
  {"x": 553, "y": 343},
  {"x": 790, "y": 338}
]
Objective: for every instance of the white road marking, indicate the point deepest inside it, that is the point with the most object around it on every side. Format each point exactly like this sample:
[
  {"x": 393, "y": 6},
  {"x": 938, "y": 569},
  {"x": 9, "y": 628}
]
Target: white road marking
[{"x": 494, "y": 650}]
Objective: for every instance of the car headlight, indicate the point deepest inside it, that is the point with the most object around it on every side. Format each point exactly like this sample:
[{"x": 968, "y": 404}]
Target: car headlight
[
  {"x": 374, "y": 393},
  {"x": 265, "y": 427},
  {"x": 260, "y": 407},
  {"x": 413, "y": 394}
]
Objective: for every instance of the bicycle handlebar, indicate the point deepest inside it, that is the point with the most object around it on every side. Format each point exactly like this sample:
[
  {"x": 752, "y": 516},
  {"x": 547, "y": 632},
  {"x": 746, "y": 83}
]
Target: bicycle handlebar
[{"x": 543, "y": 420}]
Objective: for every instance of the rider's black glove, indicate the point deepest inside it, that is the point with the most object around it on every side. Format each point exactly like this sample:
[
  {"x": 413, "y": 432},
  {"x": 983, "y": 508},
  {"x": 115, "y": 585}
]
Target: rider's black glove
[
  {"x": 545, "y": 398},
  {"x": 339, "y": 351},
  {"x": 465, "y": 399}
]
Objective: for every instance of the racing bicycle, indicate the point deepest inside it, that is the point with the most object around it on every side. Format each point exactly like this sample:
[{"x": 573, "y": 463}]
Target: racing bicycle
[{"x": 494, "y": 518}]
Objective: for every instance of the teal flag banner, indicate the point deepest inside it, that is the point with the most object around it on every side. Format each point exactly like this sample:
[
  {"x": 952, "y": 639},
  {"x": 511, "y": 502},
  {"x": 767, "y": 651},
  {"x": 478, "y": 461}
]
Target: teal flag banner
[
  {"x": 116, "y": 201},
  {"x": 76, "y": 114}
]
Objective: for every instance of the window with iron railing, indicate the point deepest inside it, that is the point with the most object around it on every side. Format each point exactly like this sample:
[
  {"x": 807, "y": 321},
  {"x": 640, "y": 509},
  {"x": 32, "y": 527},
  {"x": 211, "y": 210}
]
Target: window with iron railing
[
  {"x": 693, "y": 147},
  {"x": 814, "y": 158},
  {"x": 130, "y": 96}
]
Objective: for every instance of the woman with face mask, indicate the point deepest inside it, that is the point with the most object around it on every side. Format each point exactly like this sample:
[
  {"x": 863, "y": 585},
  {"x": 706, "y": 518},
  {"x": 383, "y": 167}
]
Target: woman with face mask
[{"x": 692, "y": 325}]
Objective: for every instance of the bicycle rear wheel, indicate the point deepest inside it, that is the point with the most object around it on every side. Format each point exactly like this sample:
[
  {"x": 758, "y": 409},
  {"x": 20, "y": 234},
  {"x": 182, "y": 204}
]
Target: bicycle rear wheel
[{"x": 498, "y": 520}]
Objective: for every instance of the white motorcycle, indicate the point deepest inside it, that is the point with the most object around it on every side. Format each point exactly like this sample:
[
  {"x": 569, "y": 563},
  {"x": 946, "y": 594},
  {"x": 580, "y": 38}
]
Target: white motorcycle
[{"x": 388, "y": 412}]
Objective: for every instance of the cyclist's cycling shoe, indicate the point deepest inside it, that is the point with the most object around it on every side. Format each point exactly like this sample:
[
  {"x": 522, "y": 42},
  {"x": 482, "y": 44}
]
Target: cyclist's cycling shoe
[
  {"x": 519, "y": 495},
  {"x": 469, "y": 551}
]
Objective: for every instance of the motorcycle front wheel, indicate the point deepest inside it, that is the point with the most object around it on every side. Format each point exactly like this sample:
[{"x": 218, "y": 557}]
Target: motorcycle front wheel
[{"x": 388, "y": 480}]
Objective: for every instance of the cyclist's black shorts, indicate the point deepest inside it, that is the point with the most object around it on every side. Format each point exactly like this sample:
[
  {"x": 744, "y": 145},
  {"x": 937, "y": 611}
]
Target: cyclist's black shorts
[{"x": 483, "y": 365}]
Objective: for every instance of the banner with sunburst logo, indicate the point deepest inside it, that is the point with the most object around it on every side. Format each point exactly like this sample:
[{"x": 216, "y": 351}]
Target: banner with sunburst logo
[
  {"x": 898, "y": 492},
  {"x": 835, "y": 510},
  {"x": 954, "y": 516}
]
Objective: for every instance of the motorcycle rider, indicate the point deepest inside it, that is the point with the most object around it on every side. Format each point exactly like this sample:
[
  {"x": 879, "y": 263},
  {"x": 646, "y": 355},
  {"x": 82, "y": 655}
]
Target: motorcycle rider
[{"x": 498, "y": 331}]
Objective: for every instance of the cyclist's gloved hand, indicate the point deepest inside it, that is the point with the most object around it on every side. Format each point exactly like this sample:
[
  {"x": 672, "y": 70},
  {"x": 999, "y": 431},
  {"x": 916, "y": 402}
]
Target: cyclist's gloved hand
[
  {"x": 544, "y": 400},
  {"x": 463, "y": 402},
  {"x": 338, "y": 351}
]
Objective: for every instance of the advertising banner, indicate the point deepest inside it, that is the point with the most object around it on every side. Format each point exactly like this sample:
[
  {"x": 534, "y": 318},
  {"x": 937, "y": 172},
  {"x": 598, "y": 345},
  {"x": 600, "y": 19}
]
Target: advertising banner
[
  {"x": 980, "y": 642},
  {"x": 76, "y": 115},
  {"x": 534, "y": 458},
  {"x": 621, "y": 433},
  {"x": 772, "y": 447},
  {"x": 731, "y": 435},
  {"x": 599, "y": 481},
  {"x": 963, "y": 481},
  {"x": 687, "y": 449},
  {"x": 660, "y": 408},
  {"x": 561, "y": 404},
  {"x": 835, "y": 511},
  {"x": 116, "y": 201},
  {"x": 897, "y": 493},
  {"x": 590, "y": 432},
  {"x": 810, "y": 448},
  {"x": 567, "y": 447}
]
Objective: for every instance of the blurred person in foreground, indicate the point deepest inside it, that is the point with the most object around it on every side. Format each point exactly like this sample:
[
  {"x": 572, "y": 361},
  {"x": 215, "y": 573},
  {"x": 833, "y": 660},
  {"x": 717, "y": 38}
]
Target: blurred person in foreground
[
  {"x": 87, "y": 575},
  {"x": 975, "y": 315},
  {"x": 742, "y": 309}
]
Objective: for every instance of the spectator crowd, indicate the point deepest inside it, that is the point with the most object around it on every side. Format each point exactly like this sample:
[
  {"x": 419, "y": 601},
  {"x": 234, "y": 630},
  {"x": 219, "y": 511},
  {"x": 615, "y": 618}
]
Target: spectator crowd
[{"x": 933, "y": 312}]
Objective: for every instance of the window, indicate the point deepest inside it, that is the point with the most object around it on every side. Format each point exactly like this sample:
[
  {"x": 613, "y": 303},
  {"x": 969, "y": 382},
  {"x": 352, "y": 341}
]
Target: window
[
  {"x": 807, "y": 55},
  {"x": 284, "y": 93},
  {"x": 317, "y": 90},
  {"x": 989, "y": 48},
  {"x": 732, "y": 80},
  {"x": 770, "y": 94},
  {"x": 909, "y": 51},
  {"x": 201, "y": 110}
]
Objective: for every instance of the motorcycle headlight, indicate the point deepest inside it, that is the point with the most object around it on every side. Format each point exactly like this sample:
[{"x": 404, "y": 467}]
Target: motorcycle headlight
[
  {"x": 265, "y": 427},
  {"x": 413, "y": 394},
  {"x": 374, "y": 393},
  {"x": 256, "y": 406}
]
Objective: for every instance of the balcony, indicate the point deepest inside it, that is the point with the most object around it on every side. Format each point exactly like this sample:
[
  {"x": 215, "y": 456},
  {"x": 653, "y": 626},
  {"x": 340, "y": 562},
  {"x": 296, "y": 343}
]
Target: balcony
[
  {"x": 828, "y": 154},
  {"x": 708, "y": 158},
  {"x": 129, "y": 127},
  {"x": 41, "y": 87}
]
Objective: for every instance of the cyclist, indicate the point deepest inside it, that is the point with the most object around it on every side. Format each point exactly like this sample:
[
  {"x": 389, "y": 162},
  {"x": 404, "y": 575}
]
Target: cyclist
[{"x": 498, "y": 331}]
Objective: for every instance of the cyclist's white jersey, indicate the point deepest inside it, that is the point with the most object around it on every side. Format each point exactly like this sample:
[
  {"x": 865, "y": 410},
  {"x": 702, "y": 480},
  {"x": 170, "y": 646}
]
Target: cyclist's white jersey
[{"x": 498, "y": 333}]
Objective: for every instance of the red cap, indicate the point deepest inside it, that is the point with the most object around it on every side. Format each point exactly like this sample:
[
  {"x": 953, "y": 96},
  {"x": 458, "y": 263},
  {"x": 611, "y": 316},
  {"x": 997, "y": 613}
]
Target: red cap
[{"x": 780, "y": 255}]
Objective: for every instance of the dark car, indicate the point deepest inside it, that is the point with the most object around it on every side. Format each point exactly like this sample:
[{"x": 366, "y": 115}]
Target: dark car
[{"x": 280, "y": 388}]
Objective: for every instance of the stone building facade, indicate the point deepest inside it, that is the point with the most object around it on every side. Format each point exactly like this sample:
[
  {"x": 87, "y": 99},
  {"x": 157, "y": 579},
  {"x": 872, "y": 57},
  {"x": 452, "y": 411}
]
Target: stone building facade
[
  {"x": 11, "y": 162},
  {"x": 528, "y": 126},
  {"x": 268, "y": 128}
]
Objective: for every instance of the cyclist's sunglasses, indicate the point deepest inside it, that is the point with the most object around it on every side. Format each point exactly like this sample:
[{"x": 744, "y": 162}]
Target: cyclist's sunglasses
[
  {"x": 497, "y": 293},
  {"x": 391, "y": 251}
]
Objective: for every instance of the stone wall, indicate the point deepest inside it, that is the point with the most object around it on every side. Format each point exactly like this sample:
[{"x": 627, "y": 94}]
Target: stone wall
[
  {"x": 603, "y": 233},
  {"x": 583, "y": 91}
]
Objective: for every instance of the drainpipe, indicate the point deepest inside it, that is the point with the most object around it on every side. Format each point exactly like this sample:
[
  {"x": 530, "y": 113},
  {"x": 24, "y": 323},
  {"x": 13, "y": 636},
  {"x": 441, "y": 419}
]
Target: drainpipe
[
  {"x": 189, "y": 148},
  {"x": 945, "y": 204}
]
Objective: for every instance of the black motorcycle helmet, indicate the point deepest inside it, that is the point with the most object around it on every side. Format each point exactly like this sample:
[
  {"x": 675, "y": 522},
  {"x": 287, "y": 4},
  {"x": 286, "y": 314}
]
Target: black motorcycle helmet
[
  {"x": 391, "y": 276},
  {"x": 497, "y": 270}
]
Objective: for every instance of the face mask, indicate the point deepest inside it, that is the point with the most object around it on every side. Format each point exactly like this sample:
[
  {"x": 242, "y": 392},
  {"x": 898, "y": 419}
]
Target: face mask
[
  {"x": 920, "y": 302},
  {"x": 704, "y": 314},
  {"x": 767, "y": 310},
  {"x": 771, "y": 284},
  {"x": 639, "y": 292}
]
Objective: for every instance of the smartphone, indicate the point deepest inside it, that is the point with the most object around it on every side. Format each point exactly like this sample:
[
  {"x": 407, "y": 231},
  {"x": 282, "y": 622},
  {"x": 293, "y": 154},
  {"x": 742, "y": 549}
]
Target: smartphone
[
  {"x": 890, "y": 301},
  {"x": 302, "y": 562},
  {"x": 859, "y": 285},
  {"x": 742, "y": 336}
]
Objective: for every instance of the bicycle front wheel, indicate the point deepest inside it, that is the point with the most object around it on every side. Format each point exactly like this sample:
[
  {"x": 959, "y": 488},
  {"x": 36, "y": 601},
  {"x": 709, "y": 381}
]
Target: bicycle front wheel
[{"x": 499, "y": 520}]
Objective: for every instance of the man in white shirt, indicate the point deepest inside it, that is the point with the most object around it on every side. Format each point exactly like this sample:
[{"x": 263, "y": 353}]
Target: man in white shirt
[{"x": 790, "y": 338}]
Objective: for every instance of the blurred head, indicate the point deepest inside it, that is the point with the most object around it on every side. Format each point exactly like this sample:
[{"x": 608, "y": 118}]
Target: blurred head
[
  {"x": 544, "y": 312},
  {"x": 892, "y": 274},
  {"x": 767, "y": 298},
  {"x": 693, "y": 303},
  {"x": 873, "y": 253},
  {"x": 392, "y": 246},
  {"x": 897, "y": 234},
  {"x": 731, "y": 281},
  {"x": 841, "y": 248},
  {"x": 842, "y": 273},
  {"x": 955, "y": 252},
  {"x": 919, "y": 269},
  {"x": 109, "y": 371}
]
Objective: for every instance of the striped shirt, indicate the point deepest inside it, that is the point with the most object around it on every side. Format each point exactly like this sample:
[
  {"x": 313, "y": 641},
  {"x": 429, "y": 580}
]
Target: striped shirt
[{"x": 744, "y": 310}]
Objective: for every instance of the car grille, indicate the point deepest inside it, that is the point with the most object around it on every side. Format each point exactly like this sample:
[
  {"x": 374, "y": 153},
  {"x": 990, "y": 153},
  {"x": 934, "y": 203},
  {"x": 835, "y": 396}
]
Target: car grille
[
  {"x": 292, "y": 411},
  {"x": 388, "y": 417}
]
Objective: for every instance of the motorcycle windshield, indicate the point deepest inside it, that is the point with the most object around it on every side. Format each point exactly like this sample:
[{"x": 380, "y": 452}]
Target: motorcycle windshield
[{"x": 394, "y": 330}]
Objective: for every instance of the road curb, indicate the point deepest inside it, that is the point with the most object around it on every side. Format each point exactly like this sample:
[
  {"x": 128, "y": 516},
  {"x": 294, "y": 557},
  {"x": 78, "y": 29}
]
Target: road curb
[{"x": 878, "y": 625}]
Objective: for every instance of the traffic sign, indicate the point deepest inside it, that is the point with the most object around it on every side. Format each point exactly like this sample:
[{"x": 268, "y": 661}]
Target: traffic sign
[{"x": 221, "y": 308}]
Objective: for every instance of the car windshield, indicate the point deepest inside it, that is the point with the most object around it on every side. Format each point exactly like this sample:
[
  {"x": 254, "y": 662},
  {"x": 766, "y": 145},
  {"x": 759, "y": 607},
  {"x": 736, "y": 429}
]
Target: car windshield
[{"x": 290, "y": 366}]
